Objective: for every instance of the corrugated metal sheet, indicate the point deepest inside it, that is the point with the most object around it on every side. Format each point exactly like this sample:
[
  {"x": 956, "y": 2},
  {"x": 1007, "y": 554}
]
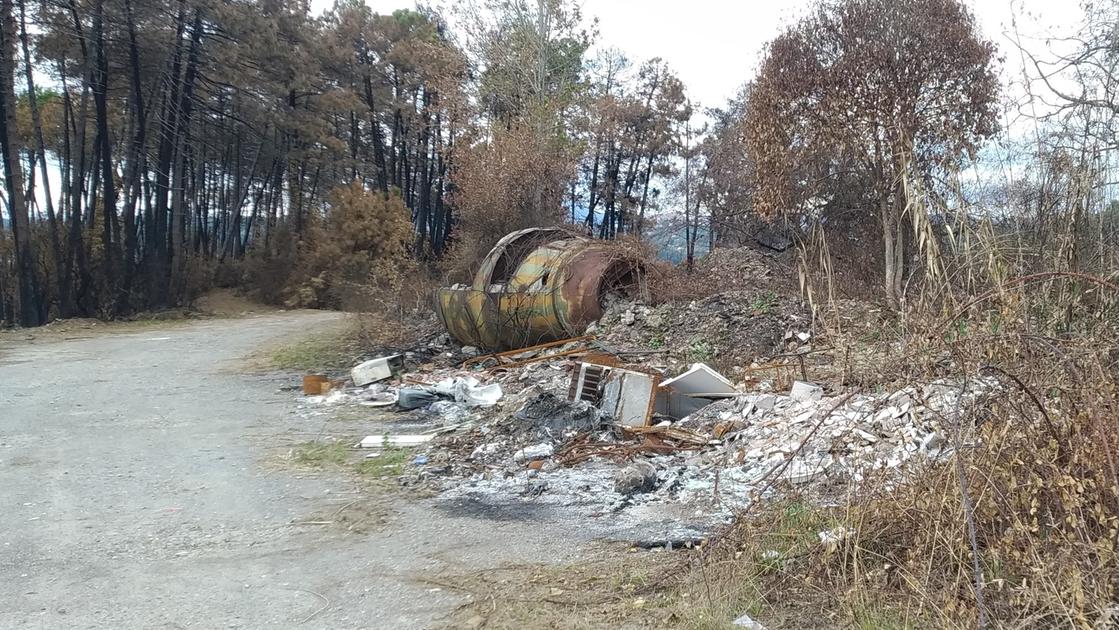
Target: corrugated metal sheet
[{"x": 537, "y": 285}]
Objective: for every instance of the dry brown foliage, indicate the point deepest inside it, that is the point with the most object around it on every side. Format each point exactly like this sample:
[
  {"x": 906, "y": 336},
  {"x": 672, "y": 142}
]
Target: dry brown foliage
[
  {"x": 354, "y": 258},
  {"x": 859, "y": 95},
  {"x": 510, "y": 182},
  {"x": 1018, "y": 528}
]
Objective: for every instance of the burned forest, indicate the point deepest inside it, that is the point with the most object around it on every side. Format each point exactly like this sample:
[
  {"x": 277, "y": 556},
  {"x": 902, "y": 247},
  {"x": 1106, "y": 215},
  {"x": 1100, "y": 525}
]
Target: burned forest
[{"x": 558, "y": 314}]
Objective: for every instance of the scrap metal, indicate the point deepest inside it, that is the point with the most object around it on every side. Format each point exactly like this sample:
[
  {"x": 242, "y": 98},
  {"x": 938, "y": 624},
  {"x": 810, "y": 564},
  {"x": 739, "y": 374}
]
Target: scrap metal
[{"x": 538, "y": 285}]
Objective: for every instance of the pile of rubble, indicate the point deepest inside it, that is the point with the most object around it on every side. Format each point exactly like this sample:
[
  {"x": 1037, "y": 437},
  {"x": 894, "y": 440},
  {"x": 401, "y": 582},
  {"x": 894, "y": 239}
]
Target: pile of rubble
[
  {"x": 722, "y": 458},
  {"x": 573, "y": 428},
  {"x": 632, "y": 420},
  {"x": 733, "y": 326}
]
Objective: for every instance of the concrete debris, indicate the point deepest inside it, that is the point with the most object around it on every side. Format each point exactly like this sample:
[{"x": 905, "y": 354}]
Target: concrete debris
[
  {"x": 333, "y": 397},
  {"x": 640, "y": 476},
  {"x": 666, "y": 450},
  {"x": 377, "y": 369},
  {"x": 448, "y": 412},
  {"x": 724, "y": 457},
  {"x": 802, "y": 391}
]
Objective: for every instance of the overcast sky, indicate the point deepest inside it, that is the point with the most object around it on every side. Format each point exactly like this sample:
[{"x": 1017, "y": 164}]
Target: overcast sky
[{"x": 715, "y": 45}]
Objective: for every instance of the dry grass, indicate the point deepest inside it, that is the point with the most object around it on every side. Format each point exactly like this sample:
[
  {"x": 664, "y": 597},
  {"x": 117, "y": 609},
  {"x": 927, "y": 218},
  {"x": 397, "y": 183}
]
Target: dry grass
[
  {"x": 610, "y": 589},
  {"x": 1019, "y": 529},
  {"x": 333, "y": 348}
]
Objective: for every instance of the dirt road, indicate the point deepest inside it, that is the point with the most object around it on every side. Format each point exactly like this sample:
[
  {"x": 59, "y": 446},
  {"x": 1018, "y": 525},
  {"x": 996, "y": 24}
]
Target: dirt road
[{"x": 139, "y": 489}]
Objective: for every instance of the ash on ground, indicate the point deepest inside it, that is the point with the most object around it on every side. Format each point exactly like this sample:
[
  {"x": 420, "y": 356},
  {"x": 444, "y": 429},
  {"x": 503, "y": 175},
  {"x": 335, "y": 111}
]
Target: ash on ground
[{"x": 531, "y": 452}]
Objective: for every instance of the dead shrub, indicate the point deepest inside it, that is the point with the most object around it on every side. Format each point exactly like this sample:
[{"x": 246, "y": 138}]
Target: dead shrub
[
  {"x": 510, "y": 182},
  {"x": 267, "y": 268},
  {"x": 354, "y": 257}
]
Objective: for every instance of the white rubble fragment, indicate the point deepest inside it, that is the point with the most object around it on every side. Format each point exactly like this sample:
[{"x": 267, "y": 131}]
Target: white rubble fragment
[
  {"x": 805, "y": 392},
  {"x": 333, "y": 398},
  {"x": 543, "y": 450},
  {"x": 449, "y": 412},
  {"x": 765, "y": 402},
  {"x": 748, "y": 622},
  {"x": 379, "y": 441},
  {"x": 868, "y": 437},
  {"x": 375, "y": 370},
  {"x": 932, "y": 444},
  {"x": 488, "y": 448}
]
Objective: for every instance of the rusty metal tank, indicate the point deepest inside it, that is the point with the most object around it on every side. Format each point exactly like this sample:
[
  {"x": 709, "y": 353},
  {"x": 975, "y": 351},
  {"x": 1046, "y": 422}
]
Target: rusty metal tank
[{"x": 538, "y": 285}]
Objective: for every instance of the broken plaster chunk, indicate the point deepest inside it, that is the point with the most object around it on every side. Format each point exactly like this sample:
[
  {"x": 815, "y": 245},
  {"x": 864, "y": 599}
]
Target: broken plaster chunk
[
  {"x": 543, "y": 450},
  {"x": 869, "y": 437},
  {"x": 765, "y": 402},
  {"x": 932, "y": 444},
  {"x": 484, "y": 450},
  {"x": 806, "y": 392},
  {"x": 800, "y": 472}
]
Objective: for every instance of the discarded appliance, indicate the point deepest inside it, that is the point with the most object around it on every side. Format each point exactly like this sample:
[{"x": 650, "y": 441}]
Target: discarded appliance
[
  {"x": 693, "y": 390},
  {"x": 626, "y": 395},
  {"x": 631, "y": 397},
  {"x": 538, "y": 285},
  {"x": 377, "y": 369}
]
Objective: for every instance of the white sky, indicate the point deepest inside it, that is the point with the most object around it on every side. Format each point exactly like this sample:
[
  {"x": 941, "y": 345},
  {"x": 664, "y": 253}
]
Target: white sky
[{"x": 715, "y": 45}]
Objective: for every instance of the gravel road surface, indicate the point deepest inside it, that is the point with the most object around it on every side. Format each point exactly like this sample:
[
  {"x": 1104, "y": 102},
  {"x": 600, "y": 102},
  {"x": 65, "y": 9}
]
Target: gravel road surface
[{"x": 140, "y": 487}]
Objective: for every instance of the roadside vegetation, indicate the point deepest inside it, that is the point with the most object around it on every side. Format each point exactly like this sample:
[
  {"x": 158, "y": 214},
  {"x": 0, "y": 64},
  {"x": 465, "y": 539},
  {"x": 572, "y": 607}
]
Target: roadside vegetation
[{"x": 339, "y": 453}]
